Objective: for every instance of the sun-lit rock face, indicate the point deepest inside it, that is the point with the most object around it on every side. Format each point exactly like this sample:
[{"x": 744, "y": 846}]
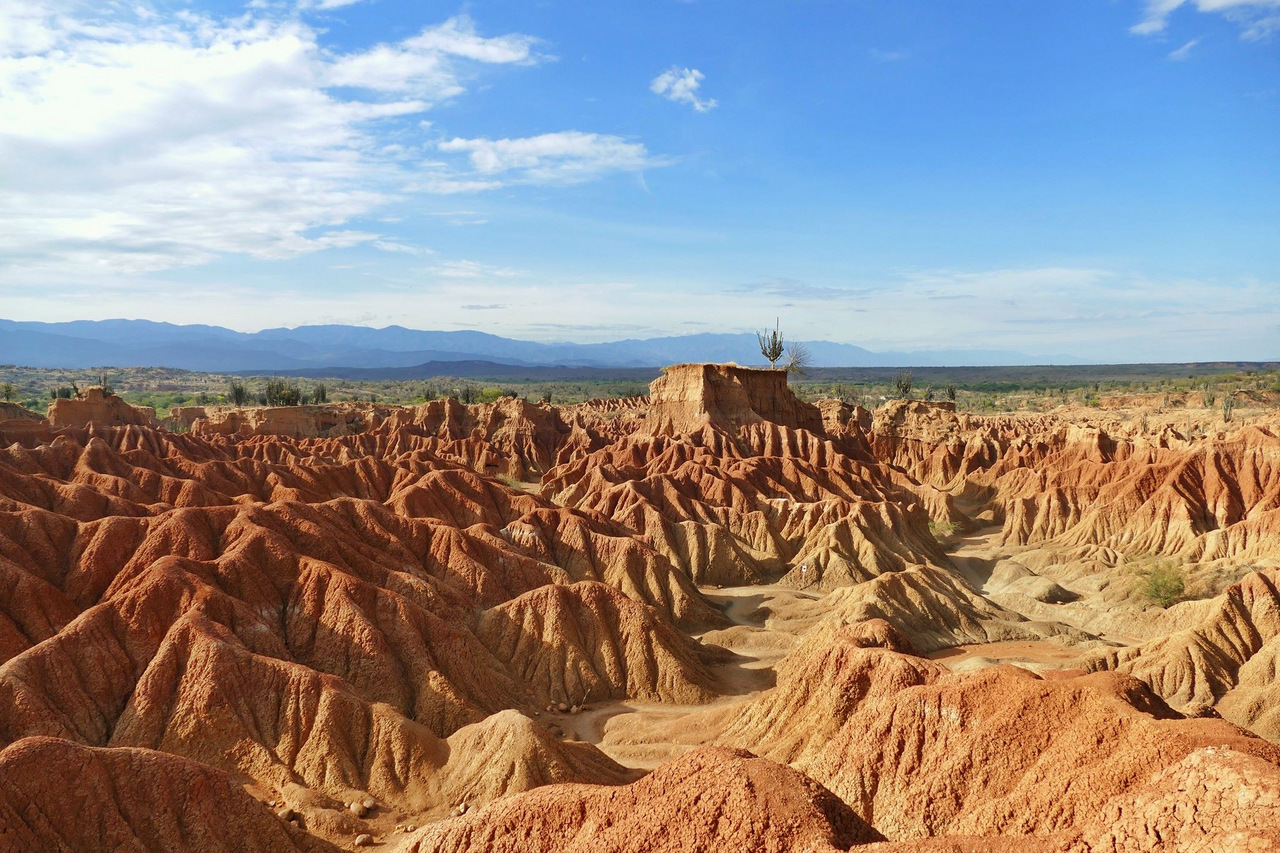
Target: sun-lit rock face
[
  {"x": 689, "y": 396},
  {"x": 14, "y": 412},
  {"x": 318, "y": 421},
  {"x": 98, "y": 407}
]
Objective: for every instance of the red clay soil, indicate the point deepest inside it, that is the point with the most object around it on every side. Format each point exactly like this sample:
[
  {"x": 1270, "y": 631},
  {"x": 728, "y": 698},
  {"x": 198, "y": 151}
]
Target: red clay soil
[
  {"x": 285, "y": 630},
  {"x": 60, "y": 796},
  {"x": 708, "y": 800}
]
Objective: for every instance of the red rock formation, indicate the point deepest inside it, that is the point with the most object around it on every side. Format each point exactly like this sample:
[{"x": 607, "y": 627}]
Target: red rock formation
[
  {"x": 337, "y": 619},
  {"x": 1196, "y": 667},
  {"x": 688, "y": 397},
  {"x": 316, "y": 421},
  {"x": 709, "y": 800},
  {"x": 742, "y": 508},
  {"x": 14, "y": 412},
  {"x": 94, "y": 405},
  {"x": 304, "y": 614},
  {"x": 996, "y": 760},
  {"x": 58, "y": 796},
  {"x": 588, "y": 641},
  {"x": 1079, "y": 488}
]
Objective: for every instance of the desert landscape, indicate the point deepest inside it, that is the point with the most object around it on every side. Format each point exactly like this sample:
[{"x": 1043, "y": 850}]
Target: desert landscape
[
  {"x": 689, "y": 426},
  {"x": 713, "y": 618}
]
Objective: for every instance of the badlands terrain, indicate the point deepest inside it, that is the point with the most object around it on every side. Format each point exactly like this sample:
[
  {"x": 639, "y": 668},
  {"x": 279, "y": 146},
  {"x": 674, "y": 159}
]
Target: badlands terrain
[{"x": 715, "y": 618}]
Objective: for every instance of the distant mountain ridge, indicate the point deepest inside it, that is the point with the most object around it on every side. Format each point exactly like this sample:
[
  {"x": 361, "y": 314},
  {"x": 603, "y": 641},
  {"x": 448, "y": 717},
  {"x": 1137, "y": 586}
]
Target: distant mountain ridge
[{"x": 144, "y": 343}]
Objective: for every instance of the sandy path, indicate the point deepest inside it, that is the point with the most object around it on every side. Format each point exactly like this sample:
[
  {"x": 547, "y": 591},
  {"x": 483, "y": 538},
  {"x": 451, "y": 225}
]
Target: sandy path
[{"x": 761, "y": 635}]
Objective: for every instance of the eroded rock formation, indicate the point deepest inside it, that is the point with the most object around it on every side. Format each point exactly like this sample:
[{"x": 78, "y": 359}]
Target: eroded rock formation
[{"x": 430, "y": 628}]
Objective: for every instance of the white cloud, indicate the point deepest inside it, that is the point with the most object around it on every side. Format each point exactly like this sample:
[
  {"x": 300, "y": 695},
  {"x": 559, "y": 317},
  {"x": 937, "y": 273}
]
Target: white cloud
[
  {"x": 422, "y": 64},
  {"x": 566, "y": 157},
  {"x": 681, "y": 85},
  {"x": 1256, "y": 18},
  {"x": 404, "y": 248},
  {"x": 326, "y": 5},
  {"x": 1183, "y": 52},
  {"x": 471, "y": 270},
  {"x": 457, "y": 37},
  {"x": 134, "y": 139}
]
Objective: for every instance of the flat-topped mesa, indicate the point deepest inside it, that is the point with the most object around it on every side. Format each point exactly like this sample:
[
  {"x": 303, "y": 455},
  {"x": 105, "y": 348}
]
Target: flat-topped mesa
[
  {"x": 96, "y": 406},
  {"x": 689, "y": 396}
]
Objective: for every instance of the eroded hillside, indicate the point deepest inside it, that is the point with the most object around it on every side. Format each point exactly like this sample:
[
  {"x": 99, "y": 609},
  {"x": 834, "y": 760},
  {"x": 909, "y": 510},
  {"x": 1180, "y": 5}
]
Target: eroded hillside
[{"x": 718, "y": 618}]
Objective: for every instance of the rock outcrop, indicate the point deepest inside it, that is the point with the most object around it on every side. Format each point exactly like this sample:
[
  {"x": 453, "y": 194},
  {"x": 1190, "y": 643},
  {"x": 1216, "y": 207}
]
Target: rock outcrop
[
  {"x": 96, "y": 406},
  {"x": 709, "y": 800},
  {"x": 688, "y": 397},
  {"x": 14, "y": 412},
  {"x": 315, "y": 421},
  {"x": 59, "y": 796}
]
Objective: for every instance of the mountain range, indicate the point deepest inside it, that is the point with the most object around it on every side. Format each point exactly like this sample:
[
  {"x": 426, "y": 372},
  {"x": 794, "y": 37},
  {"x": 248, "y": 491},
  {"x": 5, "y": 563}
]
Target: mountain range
[{"x": 144, "y": 343}]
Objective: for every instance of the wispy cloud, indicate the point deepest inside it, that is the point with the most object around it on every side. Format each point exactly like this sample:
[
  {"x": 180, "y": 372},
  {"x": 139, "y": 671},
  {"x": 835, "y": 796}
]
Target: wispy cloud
[
  {"x": 135, "y": 139},
  {"x": 464, "y": 269},
  {"x": 423, "y": 63},
  {"x": 404, "y": 248},
  {"x": 681, "y": 85},
  {"x": 1183, "y": 52},
  {"x": 326, "y": 5},
  {"x": 1257, "y": 19},
  {"x": 790, "y": 288},
  {"x": 567, "y": 157}
]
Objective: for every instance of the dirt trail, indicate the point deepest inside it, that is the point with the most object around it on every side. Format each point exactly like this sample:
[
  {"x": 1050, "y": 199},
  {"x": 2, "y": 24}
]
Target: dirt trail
[
  {"x": 972, "y": 555},
  {"x": 764, "y": 631}
]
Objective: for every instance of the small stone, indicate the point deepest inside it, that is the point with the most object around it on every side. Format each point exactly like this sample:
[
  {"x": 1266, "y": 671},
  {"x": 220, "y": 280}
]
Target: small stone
[
  {"x": 411, "y": 828},
  {"x": 368, "y": 802},
  {"x": 364, "y": 839},
  {"x": 358, "y": 809},
  {"x": 574, "y": 709},
  {"x": 462, "y": 808},
  {"x": 286, "y": 814},
  {"x": 562, "y": 707}
]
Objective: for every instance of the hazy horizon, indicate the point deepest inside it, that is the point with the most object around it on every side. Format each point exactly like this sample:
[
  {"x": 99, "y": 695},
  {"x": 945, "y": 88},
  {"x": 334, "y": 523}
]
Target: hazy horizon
[{"x": 1095, "y": 179}]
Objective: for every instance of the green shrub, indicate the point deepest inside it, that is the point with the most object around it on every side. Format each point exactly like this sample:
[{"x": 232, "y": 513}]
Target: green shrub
[
  {"x": 281, "y": 393},
  {"x": 943, "y": 530},
  {"x": 902, "y": 385},
  {"x": 237, "y": 393},
  {"x": 1163, "y": 583}
]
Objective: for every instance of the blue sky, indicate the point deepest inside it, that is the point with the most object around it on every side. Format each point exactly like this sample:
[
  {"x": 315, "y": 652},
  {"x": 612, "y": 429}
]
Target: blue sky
[{"x": 1095, "y": 177}]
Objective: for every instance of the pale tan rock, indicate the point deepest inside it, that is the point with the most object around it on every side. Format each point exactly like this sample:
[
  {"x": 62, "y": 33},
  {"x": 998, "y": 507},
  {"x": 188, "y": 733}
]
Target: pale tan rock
[
  {"x": 687, "y": 397},
  {"x": 95, "y": 406}
]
